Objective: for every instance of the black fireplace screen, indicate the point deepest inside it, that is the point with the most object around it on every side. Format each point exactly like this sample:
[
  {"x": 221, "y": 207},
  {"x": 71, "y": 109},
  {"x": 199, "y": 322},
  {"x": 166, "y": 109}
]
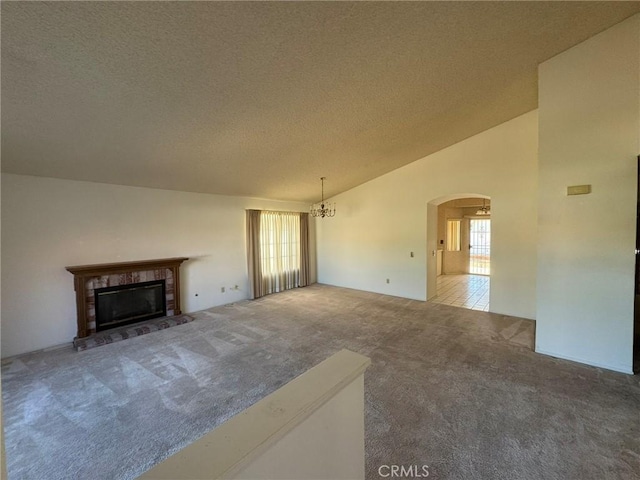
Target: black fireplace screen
[{"x": 125, "y": 304}]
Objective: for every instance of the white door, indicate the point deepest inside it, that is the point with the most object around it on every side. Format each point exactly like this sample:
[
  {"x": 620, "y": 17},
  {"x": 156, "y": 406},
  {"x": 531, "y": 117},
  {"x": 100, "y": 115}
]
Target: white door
[{"x": 480, "y": 246}]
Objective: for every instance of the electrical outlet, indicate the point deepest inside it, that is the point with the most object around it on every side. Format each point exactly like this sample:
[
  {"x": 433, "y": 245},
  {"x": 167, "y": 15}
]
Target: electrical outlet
[
  {"x": 222, "y": 290},
  {"x": 388, "y": 281}
]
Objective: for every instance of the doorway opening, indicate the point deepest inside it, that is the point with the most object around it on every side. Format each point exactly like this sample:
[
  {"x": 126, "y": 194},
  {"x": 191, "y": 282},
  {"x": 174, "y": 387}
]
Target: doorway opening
[
  {"x": 480, "y": 246},
  {"x": 459, "y": 243},
  {"x": 636, "y": 312}
]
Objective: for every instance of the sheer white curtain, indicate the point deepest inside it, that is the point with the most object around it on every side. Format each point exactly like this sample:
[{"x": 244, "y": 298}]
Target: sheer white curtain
[
  {"x": 278, "y": 253},
  {"x": 279, "y": 250}
]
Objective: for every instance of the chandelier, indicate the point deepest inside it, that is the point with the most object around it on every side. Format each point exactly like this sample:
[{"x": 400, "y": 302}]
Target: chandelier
[
  {"x": 484, "y": 210},
  {"x": 323, "y": 210}
]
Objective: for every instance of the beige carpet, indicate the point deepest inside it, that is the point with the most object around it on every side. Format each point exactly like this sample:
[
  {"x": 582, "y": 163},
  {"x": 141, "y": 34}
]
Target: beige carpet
[{"x": 457, "y": 390}]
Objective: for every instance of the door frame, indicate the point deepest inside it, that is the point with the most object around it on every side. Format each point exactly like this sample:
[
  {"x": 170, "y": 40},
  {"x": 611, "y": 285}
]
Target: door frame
[{"x": 432, "y": 237}]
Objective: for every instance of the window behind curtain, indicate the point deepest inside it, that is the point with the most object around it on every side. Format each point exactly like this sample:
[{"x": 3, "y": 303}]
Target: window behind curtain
[
  {"x": 279, "y": 250},
  {"x": 453, "y": 235}
]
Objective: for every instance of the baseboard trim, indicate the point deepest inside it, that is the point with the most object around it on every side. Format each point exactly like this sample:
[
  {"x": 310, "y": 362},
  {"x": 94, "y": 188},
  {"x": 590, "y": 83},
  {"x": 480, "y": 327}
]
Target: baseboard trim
[
  {"x": 46, "y": 349},
  {"x": 616, "y": 368}
]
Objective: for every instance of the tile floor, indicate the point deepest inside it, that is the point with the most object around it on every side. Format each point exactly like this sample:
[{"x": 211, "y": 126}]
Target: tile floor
[{"x": 466, "y": 291}]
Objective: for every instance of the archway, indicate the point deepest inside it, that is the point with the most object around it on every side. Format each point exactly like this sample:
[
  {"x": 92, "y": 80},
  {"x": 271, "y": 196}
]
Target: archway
[{"x": 459, "y": 249}]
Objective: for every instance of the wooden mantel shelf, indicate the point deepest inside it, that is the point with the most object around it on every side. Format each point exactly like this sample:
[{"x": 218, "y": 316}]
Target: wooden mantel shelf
[
  {"x": 84, "y": 276},
  {"x": 123, "y": 267}
]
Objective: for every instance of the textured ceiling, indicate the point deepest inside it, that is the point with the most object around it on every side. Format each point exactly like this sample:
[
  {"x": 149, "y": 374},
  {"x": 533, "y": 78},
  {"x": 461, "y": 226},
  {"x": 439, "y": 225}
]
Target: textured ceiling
[{"x": 263, "y": 98}]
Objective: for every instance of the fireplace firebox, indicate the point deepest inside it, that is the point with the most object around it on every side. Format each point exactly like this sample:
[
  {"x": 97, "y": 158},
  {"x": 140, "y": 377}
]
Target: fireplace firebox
[
  {"x": 88, "y": 279},
  {"x": 126, "y": 304}
]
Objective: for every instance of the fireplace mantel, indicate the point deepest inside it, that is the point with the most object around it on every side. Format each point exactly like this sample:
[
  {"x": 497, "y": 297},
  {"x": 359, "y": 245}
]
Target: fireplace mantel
[{"x": 88, "y": 277}]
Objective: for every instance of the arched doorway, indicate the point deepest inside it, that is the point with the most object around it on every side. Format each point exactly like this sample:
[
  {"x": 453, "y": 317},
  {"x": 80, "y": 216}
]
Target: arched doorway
[{"x": 459, "y": 247}]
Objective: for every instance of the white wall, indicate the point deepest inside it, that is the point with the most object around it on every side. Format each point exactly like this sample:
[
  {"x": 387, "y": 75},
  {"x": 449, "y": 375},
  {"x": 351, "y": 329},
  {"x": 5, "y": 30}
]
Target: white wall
[
  {"x": 379, "y": 223},
  {"x": 432, "y": 249},
  {"x": 589, "y": 113},
  {"x": 48, "y": 224}
]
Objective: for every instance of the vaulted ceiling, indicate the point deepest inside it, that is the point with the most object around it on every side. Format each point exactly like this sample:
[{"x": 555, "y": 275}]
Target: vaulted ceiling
[{"x": 263, "y": 98}]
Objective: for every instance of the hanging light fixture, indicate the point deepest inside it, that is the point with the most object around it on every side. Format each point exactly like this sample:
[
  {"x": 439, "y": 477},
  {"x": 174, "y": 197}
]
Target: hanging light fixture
[
  {"x": 323, "y": 210},
  {"x": 484, "y": 210}
]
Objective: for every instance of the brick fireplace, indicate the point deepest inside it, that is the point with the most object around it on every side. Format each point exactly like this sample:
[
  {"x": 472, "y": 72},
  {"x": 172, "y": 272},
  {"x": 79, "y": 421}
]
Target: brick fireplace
[{"x": 89, "y": 278}]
